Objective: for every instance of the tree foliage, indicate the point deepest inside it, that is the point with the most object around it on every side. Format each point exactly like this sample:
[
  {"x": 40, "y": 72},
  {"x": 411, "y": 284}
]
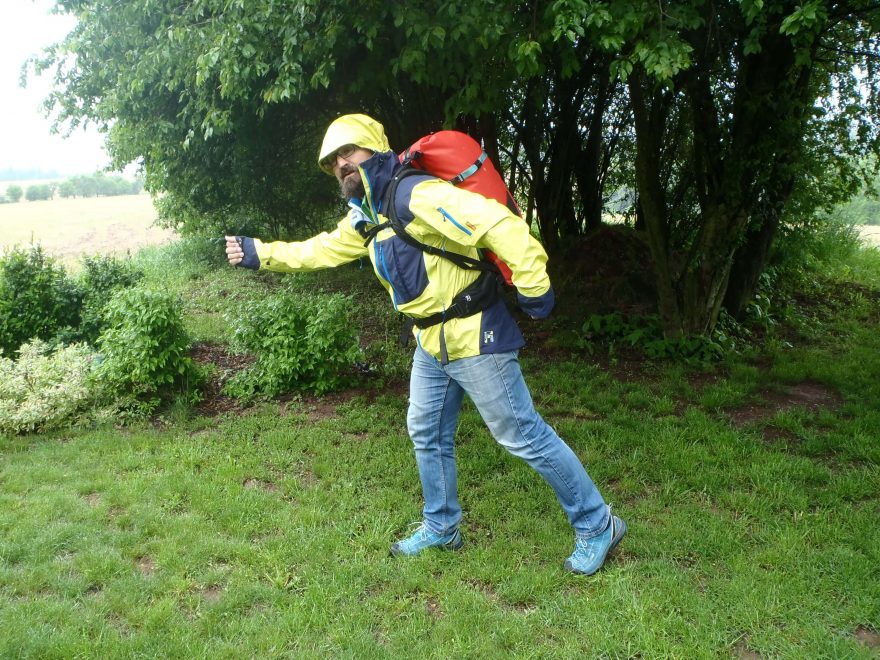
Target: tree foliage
[
  {"x": 711, "y": 123},
  {"x": 99, "y": 184},
  {"x": 39, "y": 192},
  {"x": 14, "y": 193}
]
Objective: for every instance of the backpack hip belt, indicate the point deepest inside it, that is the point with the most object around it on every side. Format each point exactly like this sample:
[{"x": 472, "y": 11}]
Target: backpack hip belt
[{"x": 480, "y": 295}]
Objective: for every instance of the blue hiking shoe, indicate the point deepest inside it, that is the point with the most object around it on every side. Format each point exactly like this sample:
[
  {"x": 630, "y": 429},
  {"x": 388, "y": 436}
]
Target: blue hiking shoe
[
  {"x": 589, "y": 554},
  {"x": 424, "y": 538}
]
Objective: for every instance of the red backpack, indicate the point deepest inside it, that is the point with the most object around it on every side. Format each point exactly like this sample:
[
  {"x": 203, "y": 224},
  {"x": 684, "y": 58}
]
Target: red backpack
[{"x": 458, "y": 158}]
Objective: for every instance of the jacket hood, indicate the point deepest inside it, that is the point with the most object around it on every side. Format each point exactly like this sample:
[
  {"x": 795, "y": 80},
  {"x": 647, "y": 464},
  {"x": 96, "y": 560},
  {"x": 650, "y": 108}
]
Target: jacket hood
[{"x": 361, "y": 130}]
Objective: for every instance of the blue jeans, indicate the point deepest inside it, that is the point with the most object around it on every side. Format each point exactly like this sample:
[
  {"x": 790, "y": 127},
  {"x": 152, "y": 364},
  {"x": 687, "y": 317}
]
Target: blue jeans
[{"x": 495, "y": 384}]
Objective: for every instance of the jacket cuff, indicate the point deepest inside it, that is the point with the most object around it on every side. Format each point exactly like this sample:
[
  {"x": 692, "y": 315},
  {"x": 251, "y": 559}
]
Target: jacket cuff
[
  {"x": 539, "y": 307},
  {"x": 251, "y": 260}
]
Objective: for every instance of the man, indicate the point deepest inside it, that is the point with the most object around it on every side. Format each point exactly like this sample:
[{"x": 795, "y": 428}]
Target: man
[{"x": 473, "y": 354}]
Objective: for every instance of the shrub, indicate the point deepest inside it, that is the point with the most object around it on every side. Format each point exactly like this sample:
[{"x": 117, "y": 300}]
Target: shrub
[
  {"x": 38, "y": 192},
  {"x": 37, "y": 298},
  {"x": 45, "y": 388},
  {"x": 100, "y": 277},
  {"x": 14, "y": 193},
  {"x": 645, "y": 333},
  {"x": 183, "y": 260},
  {"x": 300, "y": 342},
  {"x": 144, "y": 350}
]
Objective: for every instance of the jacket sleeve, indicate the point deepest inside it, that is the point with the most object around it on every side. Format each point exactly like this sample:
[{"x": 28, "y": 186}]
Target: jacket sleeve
[
  {"x": 472, "y": 220},
  {"x": 512, "y": 241},
  {"x": 325, "y": 250}
]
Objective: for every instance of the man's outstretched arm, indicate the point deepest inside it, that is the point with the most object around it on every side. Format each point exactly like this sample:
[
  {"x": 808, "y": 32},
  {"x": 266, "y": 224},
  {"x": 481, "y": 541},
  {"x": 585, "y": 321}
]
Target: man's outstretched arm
[{"x": 325, "y": 250}]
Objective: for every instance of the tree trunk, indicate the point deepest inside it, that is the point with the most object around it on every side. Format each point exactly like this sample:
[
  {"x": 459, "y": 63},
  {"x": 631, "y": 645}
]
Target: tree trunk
[
  {"x": 649, "y": 112},
  {"x": 588, "y": 169},
  {"x": 748, "y": 264}
]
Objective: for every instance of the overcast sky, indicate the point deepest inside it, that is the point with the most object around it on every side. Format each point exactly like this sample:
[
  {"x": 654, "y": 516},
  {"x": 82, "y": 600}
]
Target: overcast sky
[{"x": 25, "y": 138}]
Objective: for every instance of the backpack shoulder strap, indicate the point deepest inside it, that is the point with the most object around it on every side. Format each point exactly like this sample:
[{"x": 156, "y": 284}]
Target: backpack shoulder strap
[{"x": 460, "y": 260}]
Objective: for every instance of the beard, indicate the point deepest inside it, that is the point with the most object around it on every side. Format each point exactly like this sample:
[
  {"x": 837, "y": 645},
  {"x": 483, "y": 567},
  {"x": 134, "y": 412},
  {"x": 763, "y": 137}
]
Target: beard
[{"x": 351, "y": 187}]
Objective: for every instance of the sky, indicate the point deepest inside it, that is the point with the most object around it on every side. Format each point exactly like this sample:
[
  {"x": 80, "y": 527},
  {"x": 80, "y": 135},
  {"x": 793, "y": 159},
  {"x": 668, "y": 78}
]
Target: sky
[{"x": 26, "y": 141}]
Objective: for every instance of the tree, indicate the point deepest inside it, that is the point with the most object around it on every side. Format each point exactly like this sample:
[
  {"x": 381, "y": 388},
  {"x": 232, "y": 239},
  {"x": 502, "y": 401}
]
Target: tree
[
  {"x": 728, "y": 100},
  {"x": 14, "y": 193},
  {"x": 225, "y": 103},
  {"x": 67, "y": 189},
  {"x": 726, "y": 119},
  {"x": 38, "y": 192}
]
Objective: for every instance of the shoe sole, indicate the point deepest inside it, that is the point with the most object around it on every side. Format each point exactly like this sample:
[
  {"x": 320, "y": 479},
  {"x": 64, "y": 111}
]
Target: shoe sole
[{"x": 618, "y": 534}]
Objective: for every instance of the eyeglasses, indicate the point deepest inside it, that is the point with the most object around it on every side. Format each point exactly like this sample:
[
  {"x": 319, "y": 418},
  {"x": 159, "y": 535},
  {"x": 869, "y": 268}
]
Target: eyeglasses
[{"x": 346, "y": 150}]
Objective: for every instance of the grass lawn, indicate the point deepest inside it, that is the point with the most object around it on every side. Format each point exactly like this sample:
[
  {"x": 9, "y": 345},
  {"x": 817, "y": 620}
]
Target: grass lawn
[{"x": 751, "y": 491}]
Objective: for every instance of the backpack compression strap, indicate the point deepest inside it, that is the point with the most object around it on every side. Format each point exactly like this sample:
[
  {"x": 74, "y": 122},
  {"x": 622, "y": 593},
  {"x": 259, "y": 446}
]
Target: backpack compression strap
[{"x": 409, "y": 156}]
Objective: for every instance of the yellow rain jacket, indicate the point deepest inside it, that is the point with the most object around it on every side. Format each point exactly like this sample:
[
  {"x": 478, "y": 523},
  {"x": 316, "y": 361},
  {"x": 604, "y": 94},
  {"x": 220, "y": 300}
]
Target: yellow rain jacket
[{"x": 436, "y": 213}]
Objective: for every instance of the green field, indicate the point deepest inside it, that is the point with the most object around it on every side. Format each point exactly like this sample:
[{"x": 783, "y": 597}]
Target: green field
[{"x": 69, "y": 228}]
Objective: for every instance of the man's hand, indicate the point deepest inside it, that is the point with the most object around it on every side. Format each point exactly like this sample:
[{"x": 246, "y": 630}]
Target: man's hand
[{"x": 234, "y": 251}]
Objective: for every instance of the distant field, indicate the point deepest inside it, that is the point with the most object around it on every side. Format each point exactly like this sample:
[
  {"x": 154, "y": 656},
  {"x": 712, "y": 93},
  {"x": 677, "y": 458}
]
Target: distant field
[
  {"x": 69, "y": 228},
  {"x": 871, "y": 234}
]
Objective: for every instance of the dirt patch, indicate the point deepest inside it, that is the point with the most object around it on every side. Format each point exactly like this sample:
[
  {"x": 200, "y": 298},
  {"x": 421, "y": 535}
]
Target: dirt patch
[
  {"x": 609, "y": 269},
  {"x": 627, "y": 366},
  {"x": 488, "y": 590},
  {"x": 146, "y": 565},
  {"x": 319, "y": 409},
  {"x": 741, "y": 650},
  {"x": 774, "y": 435},
  {"x": 432, "y": 606},
  {"x": 868, "y": 637},
  {"x": 211, "y": 594},
  {"x": 485, "y": 588},
  {"x": 251, "y": 483},
  {"x": 93, "y": 499},
  {"x": 214, "y": 402},
  {"x": 808, "y": 395},
  {"x": 306, "y": 477},
  {"x": 475, "y": 530}
]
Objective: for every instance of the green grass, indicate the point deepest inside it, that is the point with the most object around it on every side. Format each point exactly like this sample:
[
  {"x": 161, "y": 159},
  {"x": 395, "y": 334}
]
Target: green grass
[{"x": 266, "y": 533}]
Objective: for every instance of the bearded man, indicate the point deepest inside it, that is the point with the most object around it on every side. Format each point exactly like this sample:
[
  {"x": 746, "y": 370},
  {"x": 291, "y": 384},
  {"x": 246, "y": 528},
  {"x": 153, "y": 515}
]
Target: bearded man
[{"x": 458, "y": 352}]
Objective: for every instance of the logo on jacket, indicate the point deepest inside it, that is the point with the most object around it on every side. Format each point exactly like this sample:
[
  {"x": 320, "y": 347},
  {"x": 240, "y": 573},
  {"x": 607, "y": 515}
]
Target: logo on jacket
[{"x": 489, "y": 337}]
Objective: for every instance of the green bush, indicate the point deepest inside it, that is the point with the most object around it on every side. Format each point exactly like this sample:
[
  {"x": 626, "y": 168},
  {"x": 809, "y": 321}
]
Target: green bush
[
  {"x": 300, "y": 342},
  {"x": 45, "y": 388},
  {"x": 38, "y": 192},
  {"x": 183, "y": 260},
  {"x": 144, "y": 350},
  {"x": 14, "y": 193},
  {"x": 37, "y": 298},
  {"x": 100, "y": 277},
  {"x": 645, "y": 333}
]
